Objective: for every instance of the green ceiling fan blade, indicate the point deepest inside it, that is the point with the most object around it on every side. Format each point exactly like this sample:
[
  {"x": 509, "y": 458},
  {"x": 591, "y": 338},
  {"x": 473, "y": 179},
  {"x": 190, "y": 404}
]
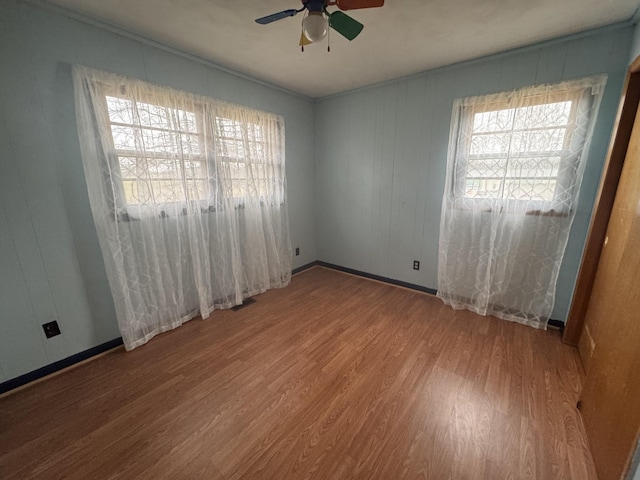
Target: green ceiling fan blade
[{"x": 345, "y": 25}]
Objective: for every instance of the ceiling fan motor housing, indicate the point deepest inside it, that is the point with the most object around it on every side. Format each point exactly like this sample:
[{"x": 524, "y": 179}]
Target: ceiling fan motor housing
[
  {"x": 316, "y": 23},
  {"x": 314, "y": 5}
]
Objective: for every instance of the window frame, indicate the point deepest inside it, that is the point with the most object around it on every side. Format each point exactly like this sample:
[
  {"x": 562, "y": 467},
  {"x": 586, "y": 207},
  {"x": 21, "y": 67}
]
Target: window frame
[
  {"x": 246, "y": 142},
  {"x": 570, "y": 156},
  {"x": 213, "y": 162}
]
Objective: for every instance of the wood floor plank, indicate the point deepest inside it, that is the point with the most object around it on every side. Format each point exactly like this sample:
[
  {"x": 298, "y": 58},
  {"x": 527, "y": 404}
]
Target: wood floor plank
[{"x": 333, "y": 377}]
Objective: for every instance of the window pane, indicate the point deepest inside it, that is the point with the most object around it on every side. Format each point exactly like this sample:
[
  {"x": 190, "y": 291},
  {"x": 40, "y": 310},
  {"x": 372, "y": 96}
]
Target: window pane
[
  {"x": 163, "y": 180},
  {"x": 533, "y": 167},
  {"x": 230, "y": 148},
  {"x": 543, "y": 116},
  {"x": 122, "y": 110},
  {"x": 163, "y": 141},
  {"x": 545, "y": 140},
  {"x": 497, "y": 120},
  {"x": 483, "y": 188},
  {"x": 493, "y": 143},
  {"x": 486, "y": 168},
  {"x": 240, "y": 141},
  {"x": 516, "y": 153},
  {"x": 531, "y": 178},
  {"x": 123, "y": 137},
  {"x": 165, "y": 164},
  {"x": 162, "y": 157},
  {"x": 530, "y": 189},
  {"x": 119, "y": 110}
]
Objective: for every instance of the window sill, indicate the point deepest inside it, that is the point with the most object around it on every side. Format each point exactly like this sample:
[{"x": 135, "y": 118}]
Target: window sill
[
  {"x": 125, "y": 216},
  {"x": 540, "y": 212}
]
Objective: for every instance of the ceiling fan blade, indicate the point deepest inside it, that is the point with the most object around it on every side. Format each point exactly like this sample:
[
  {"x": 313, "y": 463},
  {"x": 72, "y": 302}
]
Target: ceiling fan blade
[
  {"x": 345, "y": 25},
  {"x": 276, "y": 16},
  {"x": 355, "y": 4}
]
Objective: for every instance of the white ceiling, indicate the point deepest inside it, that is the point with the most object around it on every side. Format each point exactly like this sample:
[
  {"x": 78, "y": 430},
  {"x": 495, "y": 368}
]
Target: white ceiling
[{"x": 401, "y": 38}]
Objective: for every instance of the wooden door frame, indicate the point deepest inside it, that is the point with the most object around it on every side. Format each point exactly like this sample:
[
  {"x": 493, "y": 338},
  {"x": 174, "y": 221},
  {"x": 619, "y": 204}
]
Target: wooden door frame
[{"x": 623, "y": 126}]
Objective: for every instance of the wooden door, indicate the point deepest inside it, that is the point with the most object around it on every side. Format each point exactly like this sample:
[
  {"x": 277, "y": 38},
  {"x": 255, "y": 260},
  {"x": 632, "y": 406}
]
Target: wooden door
[{"x": 610, "y": 400}]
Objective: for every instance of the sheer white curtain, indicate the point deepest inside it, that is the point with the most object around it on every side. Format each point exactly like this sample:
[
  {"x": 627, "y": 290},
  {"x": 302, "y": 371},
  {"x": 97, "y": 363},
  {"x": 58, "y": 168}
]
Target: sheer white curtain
[
  {"x": 188, "y": 195},
  {"x": 514, "y": 169}
]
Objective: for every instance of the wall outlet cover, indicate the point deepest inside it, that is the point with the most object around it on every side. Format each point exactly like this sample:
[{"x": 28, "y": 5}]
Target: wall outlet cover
[{"x": 51, "y": 329}]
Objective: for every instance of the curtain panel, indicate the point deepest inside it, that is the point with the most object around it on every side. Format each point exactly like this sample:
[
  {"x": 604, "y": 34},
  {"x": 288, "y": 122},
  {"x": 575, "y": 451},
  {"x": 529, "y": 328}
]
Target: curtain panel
[
  {"x": 514, "y": 169},
  {"x": 188, "y": 196}
]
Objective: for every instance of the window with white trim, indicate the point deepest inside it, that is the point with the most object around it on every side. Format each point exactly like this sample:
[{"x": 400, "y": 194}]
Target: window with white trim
[
  {"x": 173, "y": 150},
  {"x": 242, "y": 149},
  {"x": 521, "y": 149},
  {"x": 160, "y": 151}
]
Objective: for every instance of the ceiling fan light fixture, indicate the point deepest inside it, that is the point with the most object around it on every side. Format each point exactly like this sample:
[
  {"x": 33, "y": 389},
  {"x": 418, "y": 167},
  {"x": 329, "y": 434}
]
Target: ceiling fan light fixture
[{"x": 315, "y": 26}]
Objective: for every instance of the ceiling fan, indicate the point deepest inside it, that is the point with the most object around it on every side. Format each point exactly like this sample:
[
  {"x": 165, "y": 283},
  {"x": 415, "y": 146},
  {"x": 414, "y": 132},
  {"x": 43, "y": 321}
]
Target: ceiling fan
[{"x": 317, "y": 20}]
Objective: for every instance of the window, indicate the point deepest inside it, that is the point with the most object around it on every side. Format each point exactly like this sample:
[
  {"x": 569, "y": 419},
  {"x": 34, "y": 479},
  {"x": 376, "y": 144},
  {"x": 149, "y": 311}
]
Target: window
[
  {"x": 521, "y": 147},
  {"x": 188, "y": 196},
  {"x": 160, "y": 152},
  {"x": 514, "y": 168},
  {"x": 172, "y": 150},
  {"x": 241, "y": 149}
]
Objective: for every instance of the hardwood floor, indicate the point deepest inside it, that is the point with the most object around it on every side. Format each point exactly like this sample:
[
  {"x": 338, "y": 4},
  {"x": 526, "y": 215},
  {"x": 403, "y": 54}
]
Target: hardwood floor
[{"x": 332, "y": 377}]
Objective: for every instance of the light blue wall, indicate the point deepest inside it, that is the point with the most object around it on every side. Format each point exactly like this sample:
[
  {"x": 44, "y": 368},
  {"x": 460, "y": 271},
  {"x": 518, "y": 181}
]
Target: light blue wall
[
  {"x": 377, "y": 179},
  {"x": 634, "y": 469},
  {"x": 50, "y": 262},
  {"x": 635, "y": 45},
  {"x": 381, "y": 155}
]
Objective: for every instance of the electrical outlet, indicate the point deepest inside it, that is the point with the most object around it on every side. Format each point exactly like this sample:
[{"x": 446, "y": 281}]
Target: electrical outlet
[
  {"x": 297, "y": 251},
  {"x": 51, "y": 329},
  {"x": 416, "y": 265}
]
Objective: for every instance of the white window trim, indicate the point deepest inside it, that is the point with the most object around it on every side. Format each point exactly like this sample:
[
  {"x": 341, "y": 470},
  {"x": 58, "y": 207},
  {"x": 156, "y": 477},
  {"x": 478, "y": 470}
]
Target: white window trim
[
  {"x": 110, "y": 84},
  {"x": 581, "y": 92}
]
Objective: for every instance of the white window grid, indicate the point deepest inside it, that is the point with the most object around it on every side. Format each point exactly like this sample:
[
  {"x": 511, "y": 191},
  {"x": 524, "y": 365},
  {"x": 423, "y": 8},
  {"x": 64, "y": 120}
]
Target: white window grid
[
  {"x": 503, "y": 160},
  {"x": 167, "y": 155}
]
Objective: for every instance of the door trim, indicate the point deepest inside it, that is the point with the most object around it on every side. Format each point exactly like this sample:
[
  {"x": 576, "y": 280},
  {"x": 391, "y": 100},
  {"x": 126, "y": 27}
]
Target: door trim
[{"x": 603, "y": 205}]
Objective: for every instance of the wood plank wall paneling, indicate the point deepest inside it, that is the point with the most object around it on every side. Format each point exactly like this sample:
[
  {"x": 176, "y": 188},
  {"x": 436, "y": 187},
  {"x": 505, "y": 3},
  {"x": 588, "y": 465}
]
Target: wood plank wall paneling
[
  {"x": 377, "y": 173},
  {"x": 334, "y": 376},
  {"x": 51, "y": 264},
  {"x": 382, "y": 151}
]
